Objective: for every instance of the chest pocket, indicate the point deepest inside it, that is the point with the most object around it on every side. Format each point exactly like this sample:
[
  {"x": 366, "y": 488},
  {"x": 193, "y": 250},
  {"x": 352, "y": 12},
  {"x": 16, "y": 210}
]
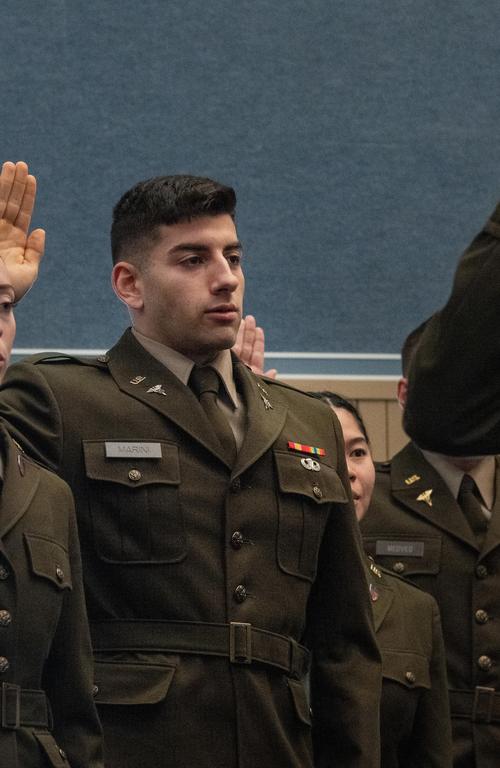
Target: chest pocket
[
  {"x": 411, "y": 670},
  {"x": 303, "y": 506},
  {"x": 134, "y": 504}
]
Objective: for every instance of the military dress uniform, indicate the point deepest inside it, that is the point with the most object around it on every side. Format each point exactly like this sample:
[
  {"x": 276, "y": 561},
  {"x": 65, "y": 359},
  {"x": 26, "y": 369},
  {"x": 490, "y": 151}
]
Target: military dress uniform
[
  {"x": 415, "y": 528},
  {"x": 414, "y": 712},
  {"x": 208, "y": 586},
  {"x": 454, "y": 378},
  {"x": 47, "y": 712}
]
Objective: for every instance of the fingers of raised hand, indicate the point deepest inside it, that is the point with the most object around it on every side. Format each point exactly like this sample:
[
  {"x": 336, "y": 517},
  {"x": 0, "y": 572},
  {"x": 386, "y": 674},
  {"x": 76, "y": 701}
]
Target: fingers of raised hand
[
  {"x": 35, "y": 246},
  {"x": 17, "y": 194}
]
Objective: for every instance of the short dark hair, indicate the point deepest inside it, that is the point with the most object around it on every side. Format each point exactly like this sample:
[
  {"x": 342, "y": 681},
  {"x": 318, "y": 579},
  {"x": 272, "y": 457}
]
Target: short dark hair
[
  {"x": 337, "y": 401},
  {"x": 164, "y": 200},
  {"x": 410, "y": 345}
]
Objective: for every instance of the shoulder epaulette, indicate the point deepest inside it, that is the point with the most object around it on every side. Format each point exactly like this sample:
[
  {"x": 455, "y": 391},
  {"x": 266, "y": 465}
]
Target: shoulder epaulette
[{"x": 57, "y": 358}]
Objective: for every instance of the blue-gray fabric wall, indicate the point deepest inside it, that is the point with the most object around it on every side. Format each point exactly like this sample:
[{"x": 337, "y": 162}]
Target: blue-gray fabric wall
[{"x": 363, "y": 139}]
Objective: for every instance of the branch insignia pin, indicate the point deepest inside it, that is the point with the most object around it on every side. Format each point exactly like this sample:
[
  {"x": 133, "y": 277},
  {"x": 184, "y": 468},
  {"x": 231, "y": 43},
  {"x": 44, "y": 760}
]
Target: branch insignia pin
[
  {"x": 137, "y": 379},
  {"x": 426, "y": 497},
  {"x": 157, "y": 390},
  {"x": 265, "y": 397}
]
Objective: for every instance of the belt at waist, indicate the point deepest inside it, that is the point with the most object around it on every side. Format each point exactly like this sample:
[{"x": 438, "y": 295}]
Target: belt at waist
[
  {"x": 23, "y": 708},
  {"x": 240, "y": 642},
  {"x": 481, "y": 705}
]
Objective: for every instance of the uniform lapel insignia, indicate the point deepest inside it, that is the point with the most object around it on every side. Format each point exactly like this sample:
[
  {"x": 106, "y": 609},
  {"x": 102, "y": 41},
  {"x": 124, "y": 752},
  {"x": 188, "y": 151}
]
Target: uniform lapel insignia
[
  {"x": 265, "y": 397},
  {"x": 137, "y": 379},
  {"x": 426, "y": 496},
  {"x": 412, "y": 479},
  {"x": 157, "y": 390},
  {"x": 374, "y": 593}
]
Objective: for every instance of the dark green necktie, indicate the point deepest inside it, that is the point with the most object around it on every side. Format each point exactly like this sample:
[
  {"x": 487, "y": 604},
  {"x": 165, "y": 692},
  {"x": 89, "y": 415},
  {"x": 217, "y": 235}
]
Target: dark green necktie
[
  {"x": 205, "y": 383},
  {"x": 468, "y": 499}
]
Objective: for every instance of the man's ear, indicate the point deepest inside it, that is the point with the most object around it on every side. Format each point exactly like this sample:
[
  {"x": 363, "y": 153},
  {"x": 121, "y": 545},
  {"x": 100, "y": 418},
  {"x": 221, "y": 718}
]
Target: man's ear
[
  {"x": 127, "y": 284},
  {"x": 402, "y": 392}
]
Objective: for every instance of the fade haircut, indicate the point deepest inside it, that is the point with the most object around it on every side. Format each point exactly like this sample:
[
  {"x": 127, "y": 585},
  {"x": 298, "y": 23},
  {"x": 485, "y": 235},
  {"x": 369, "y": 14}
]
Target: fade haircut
[
  {"x": 337, "y": 401},
  {"x": 409, "y": 347},
  {"x": 166, "y": 200}
]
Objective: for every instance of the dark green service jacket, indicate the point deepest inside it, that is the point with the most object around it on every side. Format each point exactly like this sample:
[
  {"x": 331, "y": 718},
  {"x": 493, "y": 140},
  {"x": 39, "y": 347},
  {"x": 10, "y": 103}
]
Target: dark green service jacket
[
  {"x": 415, "y": 528},
  {"x": 176, "y": 546},
  {"x": 414, "y": 713},
  {"x": 453, "y": 404},
  {"x": 47, "y": 713}
]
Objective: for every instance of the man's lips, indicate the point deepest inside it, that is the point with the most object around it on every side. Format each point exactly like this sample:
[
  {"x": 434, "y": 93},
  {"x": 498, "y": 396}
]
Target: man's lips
[{"x": 228, "y": 311}]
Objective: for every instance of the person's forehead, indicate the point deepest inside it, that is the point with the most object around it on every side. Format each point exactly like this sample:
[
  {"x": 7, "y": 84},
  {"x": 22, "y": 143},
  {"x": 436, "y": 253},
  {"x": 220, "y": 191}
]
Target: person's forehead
[{"x": 204, "y": 229}]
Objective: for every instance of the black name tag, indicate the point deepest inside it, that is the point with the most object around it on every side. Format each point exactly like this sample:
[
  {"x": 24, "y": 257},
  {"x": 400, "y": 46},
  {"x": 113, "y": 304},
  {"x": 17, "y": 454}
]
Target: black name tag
[{"x": 400, "y": 548}]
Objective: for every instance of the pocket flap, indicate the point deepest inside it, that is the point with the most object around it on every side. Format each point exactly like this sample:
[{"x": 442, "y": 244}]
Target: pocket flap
[
  {"x": 300, "y": 700},
  {"x": 49, "y": 559},
  {"x": 133, "y": 470},
  {"x": 408, "y": 669},
  {"x": 323, "y": 486},
  {"x": 118, "y": 682},
  {"x": 406, "y": 554}
]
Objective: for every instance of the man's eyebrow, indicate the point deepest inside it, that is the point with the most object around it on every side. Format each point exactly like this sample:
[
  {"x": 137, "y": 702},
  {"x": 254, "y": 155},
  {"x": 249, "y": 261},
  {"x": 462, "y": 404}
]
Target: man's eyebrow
[{"x": 200, "y": 248}]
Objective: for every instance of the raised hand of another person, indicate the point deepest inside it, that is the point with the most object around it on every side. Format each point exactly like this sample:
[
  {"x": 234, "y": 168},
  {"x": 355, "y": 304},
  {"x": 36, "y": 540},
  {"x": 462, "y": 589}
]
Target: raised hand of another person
[
  {"x": 250, "y": 347},
  {"x": 20, "y": 250}
]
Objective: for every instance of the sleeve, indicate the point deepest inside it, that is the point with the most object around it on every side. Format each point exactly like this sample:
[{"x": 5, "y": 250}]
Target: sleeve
[
  {"x": 431, "y": 737},
  {"x": 31, "y": 413},
  {"x": 454, "y": 378},
  {"x": 68, "y": 674},
  {"x": 346, "y": 669}
]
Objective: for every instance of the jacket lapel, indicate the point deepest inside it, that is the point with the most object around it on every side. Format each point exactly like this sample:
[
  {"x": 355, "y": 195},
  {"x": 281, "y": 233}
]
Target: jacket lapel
[
  {"x": 20, "y": 482},
  {"x": 381, "y": 596},
  {"x": 417, "y": 485},
  {"x": 265, "y": 416},
  {"x": 129, "y": 362}
]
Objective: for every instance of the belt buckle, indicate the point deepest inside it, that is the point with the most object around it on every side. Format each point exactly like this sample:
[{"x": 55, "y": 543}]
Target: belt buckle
[
  {"x": 482, "y": 708},
  {"x": 240, "y": 642},
  {"x": 11, "y": 697}
]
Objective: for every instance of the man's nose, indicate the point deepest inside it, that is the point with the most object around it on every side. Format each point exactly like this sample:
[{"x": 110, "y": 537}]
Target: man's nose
[{"x": 224, "y": 277}]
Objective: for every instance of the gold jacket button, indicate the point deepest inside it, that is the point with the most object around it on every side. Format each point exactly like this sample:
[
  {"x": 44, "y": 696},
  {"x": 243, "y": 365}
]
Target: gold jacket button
[
  {"x": 481, "y": 616},
  {"x": 134, "y": 475},
  {"x": 5, "y": 618},
  {"x": 317, "y": 492},
  {"x": 95, "y": 690},
  {"x": 484, "y": 663},
  {"x": 4, "y": 573},
  {"x": 4, "y": 664},
  {"x": 398, "y": 567},
  {"x": 410, "y": 677}
]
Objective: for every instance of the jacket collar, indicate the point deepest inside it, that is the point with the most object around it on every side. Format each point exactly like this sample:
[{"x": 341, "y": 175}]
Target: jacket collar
[
  {"x": 417, "y": 485},
  {"x": 140, "y": 375}
]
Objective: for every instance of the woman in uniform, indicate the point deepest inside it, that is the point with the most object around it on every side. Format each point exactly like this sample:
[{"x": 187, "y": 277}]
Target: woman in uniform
[
  {"x": 414, "y": 713},
  {"x": 47, "y": 714}
]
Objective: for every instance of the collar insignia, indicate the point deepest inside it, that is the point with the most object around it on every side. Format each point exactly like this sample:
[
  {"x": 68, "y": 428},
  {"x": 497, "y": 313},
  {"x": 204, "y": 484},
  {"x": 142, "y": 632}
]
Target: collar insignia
[
  {"x": 157, "y": 390},
  {"x": 426, "y": 497},
  {"x": 137, "y": 379},
  {"x": 412, "y": 479}
]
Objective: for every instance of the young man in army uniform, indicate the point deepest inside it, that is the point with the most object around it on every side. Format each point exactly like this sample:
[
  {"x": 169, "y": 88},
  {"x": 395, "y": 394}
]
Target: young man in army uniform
[
  {"x": 435, "y": 517},
  {"x": 218, "y": 538}
]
